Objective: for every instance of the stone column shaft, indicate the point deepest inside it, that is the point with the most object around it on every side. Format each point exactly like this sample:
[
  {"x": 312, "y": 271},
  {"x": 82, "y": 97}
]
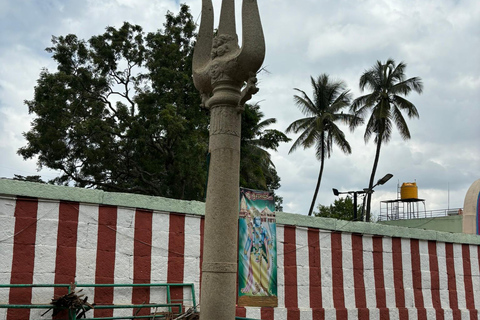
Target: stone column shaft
[{"x": 219, "y": 268}]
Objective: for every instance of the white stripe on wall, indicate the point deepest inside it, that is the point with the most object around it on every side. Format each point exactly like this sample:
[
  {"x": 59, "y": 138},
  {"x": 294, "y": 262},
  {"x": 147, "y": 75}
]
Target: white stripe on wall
[
  {"x": 124, "y": 259},
  {"x": 459, "y": 277},
  {"x": 443, "y": 279},
  {"x": 160, "y": 236},
  {"x": 280, "y": 266},
  {"x": 191, "y": 270},
  {"x": 87, "y": 247},
  {"x": 426, "y": 277},
  {"x": 305, "y": 314},
  {"x": 369, "y": 275},
  {"x": 279, "y": 313},
  {"x": 253, "y": 312},
  {"x": 7, "y": 221},
  {"x": 303, "y": 268},
  {"x": 407, "y": 277},
  {"x": 348, "y": 281},
  {"x": 326, "y": 267},
  {"x": 388, "y": 274},
  {"x": 475, "y": 275},
  {"x": 45, "y": 253}
]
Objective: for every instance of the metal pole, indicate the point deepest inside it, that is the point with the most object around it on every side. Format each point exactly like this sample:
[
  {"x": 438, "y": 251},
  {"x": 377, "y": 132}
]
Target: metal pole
[{"x": 355, "y": 206}]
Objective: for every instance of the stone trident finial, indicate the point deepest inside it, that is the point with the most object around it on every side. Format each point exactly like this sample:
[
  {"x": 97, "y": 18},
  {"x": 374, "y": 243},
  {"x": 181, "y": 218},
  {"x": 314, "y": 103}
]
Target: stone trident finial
[{"x": 220, "y": 59}]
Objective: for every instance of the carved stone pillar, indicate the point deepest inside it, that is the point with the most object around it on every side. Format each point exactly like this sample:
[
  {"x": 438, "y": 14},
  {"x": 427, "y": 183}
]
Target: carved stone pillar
[{"x": 220, "y": 70}]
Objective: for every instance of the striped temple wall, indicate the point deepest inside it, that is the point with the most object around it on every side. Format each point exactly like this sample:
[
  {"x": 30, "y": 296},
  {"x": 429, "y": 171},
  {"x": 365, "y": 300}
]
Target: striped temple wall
[{"x": 327, "y": 269}]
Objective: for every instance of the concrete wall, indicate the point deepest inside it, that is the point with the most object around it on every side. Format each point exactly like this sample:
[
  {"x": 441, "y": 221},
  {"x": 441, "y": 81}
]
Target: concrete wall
[
  {"x": 327, "y": 269},
  {"x": 445, "y": 224}
]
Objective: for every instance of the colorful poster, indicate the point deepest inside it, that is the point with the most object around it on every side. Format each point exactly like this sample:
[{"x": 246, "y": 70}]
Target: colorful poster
[{"x": 257, "y": 250}]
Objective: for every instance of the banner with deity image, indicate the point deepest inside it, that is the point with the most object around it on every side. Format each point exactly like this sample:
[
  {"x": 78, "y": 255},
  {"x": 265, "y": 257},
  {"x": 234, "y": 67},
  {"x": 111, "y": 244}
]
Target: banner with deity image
[{"x": 257, "y": 249}]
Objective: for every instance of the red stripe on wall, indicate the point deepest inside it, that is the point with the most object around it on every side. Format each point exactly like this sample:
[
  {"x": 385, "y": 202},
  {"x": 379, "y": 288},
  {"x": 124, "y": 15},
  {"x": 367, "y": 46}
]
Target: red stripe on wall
[
  {"x": 398, "y": 277},
  {"x": 105, "y": 266},
  {"x": 176, "y": 251},
  {"x": 66, "y": 256},
  {"x": 290, "y": 267},
  {"x": 23, "y": 255},
  {"x": 379, "y": 278},
  {"x": 452, "y": 284},
  {"x": 358, "y": 277},
  {"x": 337, "y": 276},
  {"x": 467, "y": 278},
  {"x": 142, "y": 259},
  {"x": 417, "y": 279},
  {"x": 266, "y": 313},
  {"x": 240, "y": 312},
  {"x": 315, "y": 276},
  {"x": 435, "y": 279}
]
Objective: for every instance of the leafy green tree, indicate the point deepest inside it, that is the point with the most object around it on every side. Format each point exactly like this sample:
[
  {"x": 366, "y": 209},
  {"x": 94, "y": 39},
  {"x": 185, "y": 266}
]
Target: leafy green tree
[
  {"x": 257, "y": 170},
  {"x": 121, "y": 113},
  {"x": 319, "y": 128},
  {"x": 342, "y": 209},
  {"x": 388, "y": 85}
]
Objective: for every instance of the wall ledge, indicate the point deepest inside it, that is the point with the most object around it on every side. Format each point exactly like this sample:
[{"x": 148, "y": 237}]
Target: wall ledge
[{"x": 13, "y": 188}]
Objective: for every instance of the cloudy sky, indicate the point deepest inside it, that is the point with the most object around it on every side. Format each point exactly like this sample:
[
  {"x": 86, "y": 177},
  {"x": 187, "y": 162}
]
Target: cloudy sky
[{"x": 438, "y": 39}]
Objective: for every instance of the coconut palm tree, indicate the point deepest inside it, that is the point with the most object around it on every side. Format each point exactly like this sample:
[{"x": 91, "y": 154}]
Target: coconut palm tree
[
  {"x": 319, "y": 128},
  {"x": 387, "y": 83}
]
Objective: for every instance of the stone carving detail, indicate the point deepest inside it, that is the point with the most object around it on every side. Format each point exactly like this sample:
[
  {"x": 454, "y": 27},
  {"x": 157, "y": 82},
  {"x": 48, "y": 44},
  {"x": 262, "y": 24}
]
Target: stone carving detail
[
  {"x": 224, "y": 44},
  {"x": 221, "y": 122},
  {"x": 249, "y": 90},
  {"x": 219, "y": 59}
]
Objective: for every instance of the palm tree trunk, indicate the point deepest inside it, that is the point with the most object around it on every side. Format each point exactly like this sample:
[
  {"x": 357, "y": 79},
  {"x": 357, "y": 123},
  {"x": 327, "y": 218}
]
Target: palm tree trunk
[
  {"x": 316, "y": 189},
  {"x": 319, "y": 179},
  {"x": 372, "y": 178}
]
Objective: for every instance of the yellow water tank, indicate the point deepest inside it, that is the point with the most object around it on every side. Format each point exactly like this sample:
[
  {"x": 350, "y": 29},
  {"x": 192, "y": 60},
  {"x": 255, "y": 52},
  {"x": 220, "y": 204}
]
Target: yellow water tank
[{"x": 409, "y": 190}]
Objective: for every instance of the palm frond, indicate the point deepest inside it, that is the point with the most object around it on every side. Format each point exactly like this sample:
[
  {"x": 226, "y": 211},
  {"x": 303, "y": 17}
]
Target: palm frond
[
  {"x": 338, "y": 137},
  {"x": 405, "y": 105},
  {"x": 306, "y": 139},
  {"x": 306, "y": 105},
  {"x": 265, "y": 123},
  {"x": 300, "y": 124},
  {"x": 401, "y": 124}
]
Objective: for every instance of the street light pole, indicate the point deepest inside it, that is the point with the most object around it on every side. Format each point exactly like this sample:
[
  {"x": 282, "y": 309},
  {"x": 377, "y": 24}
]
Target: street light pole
[
  {"x": 380, "y": 182},
  {"x": 366, "y": 191},
  {"x": 355, "y": 214}
]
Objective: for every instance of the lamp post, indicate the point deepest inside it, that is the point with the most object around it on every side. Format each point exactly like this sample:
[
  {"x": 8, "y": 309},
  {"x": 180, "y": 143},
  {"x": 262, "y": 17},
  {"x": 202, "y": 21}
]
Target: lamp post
[
  {"x": 220, "y": 70},
  {"x": 387, "y": 177},
  {"x": 380, "y": 182}
]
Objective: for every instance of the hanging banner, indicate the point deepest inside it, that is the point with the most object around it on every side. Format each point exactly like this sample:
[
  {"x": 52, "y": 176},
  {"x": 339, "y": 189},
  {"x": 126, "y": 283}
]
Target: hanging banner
[{"x": 257, "y": 249}]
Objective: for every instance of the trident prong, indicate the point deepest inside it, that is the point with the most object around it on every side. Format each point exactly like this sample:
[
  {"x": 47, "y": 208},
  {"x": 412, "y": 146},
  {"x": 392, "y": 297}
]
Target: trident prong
[{"x": 220, "y": 58}]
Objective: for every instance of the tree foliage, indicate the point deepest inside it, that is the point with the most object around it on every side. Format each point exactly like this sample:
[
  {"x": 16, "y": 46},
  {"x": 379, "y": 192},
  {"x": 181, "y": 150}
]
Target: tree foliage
[
  {"x": 34, "y": 178},
  {"x": 257, "y": 170},
  {"x": 385, "y": 103},
  {"x": 319, "y": 127},
  {"x": 342, "y": 209},
  {"x": 121, "y": 113}
]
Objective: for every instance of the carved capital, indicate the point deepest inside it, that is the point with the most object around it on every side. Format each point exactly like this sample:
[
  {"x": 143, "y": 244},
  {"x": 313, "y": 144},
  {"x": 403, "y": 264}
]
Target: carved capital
[{"x": 220, "y": 59}]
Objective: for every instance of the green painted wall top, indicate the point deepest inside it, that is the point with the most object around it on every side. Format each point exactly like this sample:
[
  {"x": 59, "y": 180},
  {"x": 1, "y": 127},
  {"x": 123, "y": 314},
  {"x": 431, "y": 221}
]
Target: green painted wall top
[{"x": 13, "y": 188}]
